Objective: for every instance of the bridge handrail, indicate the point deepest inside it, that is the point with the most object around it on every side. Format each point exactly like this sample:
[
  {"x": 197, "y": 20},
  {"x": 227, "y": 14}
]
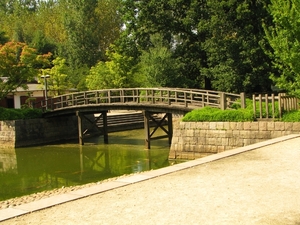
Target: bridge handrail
[{"x": 189, "y": 98}]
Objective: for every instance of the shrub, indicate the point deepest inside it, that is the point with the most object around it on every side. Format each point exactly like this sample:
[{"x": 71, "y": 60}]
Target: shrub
[
  {"x": 16, "y": 114},
  {"x": 214, "y": 114},
  {"x": 292, "y": 116}
]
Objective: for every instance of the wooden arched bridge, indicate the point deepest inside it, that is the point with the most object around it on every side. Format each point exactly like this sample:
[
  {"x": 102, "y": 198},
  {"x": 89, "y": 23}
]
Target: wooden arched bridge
[{"x": 149, "y": 100}]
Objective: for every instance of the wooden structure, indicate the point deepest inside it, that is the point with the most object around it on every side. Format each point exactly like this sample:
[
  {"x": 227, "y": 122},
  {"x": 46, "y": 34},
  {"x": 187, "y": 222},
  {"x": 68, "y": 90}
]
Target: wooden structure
[
  {"x": 271, "y": 106},
  {"x": 151, "y": 101}
]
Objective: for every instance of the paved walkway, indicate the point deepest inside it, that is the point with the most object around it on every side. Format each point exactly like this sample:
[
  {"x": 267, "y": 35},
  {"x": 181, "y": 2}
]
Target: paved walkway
[{"x": 256, "y": 184}]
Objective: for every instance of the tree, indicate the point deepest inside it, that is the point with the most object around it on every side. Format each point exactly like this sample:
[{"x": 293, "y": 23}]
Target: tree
[
  {"x": 91, "y": 26},
  {"x": 176, "y": 22},
  {"x": 58, "y": 82},
  {"x": 217, "y": 42},
  {"x": 236, "y": 61},
  {"x": 3, "y": 38},
  {"x": 158, "y": 66},
  {"x": 284, "y": 38},
  {"x": 19, "y": 64},
  {"x": 117, "y": 72}
]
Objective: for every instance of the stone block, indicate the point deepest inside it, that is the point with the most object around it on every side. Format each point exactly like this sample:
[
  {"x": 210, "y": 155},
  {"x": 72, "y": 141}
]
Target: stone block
[
  {"x": 244, "y": 134},
  {"x": 276, "y": 134},
  {"x": 254, "y": 126},
  {"x": 204, "y": 125},
  {"x": 247, "y": 141},
  {"x": 262, "y": 126},
  {"x": 296, "y": 126},
  {"x": 224, "y": 141},
  {"x": 247, "y": 125},
  {"x": 226, "y": 126},
  {"x": 233, "y": 125},
  {"x": 271, "y": 126},
  {"x": 229, "y": 134},
  {"x": 221, "y": 149},
  {"x": 279, "y": 126},
  {"x": 219, "y": 125},
  {"x": 240, "y": 126},
  {"x": 193, "y": 126},
  {"x": 211, "y": 141},
  {"x": 172, "y": 154},
  {"x": 265, "y": 135},
  {"x": 212, "y": 125},
  {"x": 190, "y": 133},
  {"x": 213, "y": 149},
  {"x": 198, "y": 155},
  {"x": 288, "y": 126}
]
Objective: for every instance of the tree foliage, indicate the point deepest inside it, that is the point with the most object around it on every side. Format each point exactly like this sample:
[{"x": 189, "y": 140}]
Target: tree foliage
[
  {"x": 117, "y": 72},
  {"x": 57, "y": 83},
  {"x": 157, "y": 65},
  {"x": 284, "y": 37},
  {"x": 19, "y": 64},
  {"x": 235, "y": 60},
  {"x": 91, "y": 26},
  {"x": 216, "y": 42},
  {"x": 78, "y": 31}
]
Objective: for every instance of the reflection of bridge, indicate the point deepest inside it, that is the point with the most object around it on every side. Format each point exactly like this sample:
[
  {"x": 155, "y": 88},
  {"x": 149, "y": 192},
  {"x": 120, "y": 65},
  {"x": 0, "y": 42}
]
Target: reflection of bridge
[{"x": 149, "y": 100}]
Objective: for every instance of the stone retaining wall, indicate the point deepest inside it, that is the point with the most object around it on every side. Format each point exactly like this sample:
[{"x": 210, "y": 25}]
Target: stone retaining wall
[
  {"x": 197, "y": 139},
  {"x": 20, "y": 133}
]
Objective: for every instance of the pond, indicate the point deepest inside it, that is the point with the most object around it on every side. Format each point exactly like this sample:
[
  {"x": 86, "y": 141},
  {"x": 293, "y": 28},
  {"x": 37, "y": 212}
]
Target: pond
[{"x": 30, "y": 170}]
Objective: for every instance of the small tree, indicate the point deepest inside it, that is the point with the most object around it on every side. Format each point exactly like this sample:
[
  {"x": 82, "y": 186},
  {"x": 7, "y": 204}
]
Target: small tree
[
  {"x": 158, "y": 66},
  {"x": 18, "y": 65},
  {"x": 117, "y": 72},
  {"x": 57, "y": 83}
]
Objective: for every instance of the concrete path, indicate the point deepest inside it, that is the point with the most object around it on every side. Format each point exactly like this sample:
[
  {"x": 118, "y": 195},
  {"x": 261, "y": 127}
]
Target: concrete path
[{"x": 256, "y": 184}]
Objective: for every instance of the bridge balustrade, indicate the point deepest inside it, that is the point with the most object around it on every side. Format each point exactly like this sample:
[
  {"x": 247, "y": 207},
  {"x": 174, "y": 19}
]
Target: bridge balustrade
[{"x": 188, "y": 98}]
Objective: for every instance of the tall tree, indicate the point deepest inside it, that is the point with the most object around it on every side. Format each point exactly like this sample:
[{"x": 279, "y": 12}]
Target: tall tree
[
  {"x": 284, "y": 37},
  {"x": 176, "y": 22},
  {"x": 88, "y": 25},
  {"x": 217, "y": 42},
  {"x": 235, "y": 60}
]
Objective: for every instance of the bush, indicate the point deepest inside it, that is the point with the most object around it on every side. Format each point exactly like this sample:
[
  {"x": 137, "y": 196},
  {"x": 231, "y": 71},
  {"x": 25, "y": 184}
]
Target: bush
[
  {"x": 32, "y": 113},
  {"x": 214, "y": 114},
  {"x": 292, "y": 116},
  {"x": 16, "y": 114}
]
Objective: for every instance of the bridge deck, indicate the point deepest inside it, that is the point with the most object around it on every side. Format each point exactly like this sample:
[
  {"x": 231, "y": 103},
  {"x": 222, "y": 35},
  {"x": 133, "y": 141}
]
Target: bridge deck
[{"x": 151, "y": 99}]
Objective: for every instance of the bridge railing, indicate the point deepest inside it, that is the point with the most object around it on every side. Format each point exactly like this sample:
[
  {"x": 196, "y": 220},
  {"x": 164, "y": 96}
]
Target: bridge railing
[{"x": 192, "y": 98}]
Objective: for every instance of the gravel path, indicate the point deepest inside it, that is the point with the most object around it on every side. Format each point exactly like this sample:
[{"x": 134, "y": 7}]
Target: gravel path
[{"x": 256, "y": 187}]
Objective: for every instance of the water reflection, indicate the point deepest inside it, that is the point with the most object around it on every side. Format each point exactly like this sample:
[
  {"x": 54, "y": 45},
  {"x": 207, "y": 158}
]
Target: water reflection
[
  {"x": 8, "y": 161},
  {"x": 29, "y": 170}
]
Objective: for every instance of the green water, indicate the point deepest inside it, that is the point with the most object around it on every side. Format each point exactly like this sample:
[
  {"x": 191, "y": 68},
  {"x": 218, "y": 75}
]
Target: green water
[{"x": 30, "y": 170}]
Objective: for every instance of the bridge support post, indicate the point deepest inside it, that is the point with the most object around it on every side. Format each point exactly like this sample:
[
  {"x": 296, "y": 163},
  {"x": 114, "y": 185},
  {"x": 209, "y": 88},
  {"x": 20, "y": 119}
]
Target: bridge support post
[
  {"x": 170, "y": 128},
  {"x": 148, "y": 116},
  {"x": 80, "y": 133},
  {"x": 105, "y": 130},
  {"x": 147, "y": 129}
]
